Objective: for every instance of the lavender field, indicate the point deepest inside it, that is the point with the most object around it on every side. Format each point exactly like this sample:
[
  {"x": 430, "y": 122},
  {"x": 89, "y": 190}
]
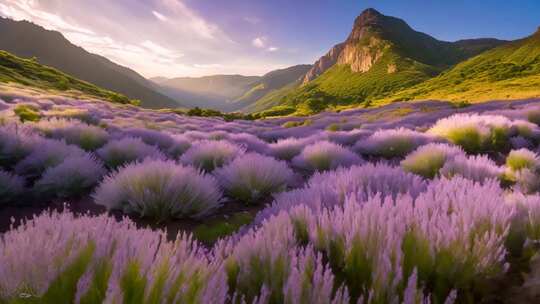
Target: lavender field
[{"x": 409, "y": 203}]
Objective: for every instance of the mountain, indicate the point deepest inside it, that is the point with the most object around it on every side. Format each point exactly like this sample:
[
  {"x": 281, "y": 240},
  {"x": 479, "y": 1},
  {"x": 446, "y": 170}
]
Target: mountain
[
  {"x": 382, "y": 55},
  {"x": 27, "y": 40},
  {"x": 510, "y": 71},
  {"x": 215, "y": 91},
  {"x": 230, "y": 92},
  {"x": 270, "y": 84},
  {"x": 28, "y": 72}
]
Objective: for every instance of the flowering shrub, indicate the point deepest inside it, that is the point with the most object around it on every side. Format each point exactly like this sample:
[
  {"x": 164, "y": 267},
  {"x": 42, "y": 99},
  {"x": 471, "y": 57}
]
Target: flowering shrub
[
  {"x": 11, "y": 187},
  {"x": 122, "y": 151},
  {"x": 156, "y": 138},
  {"x": 328, "y": 189},
  {"x": 179, "y": 146},
  {"x": 48, "y": 153},
  {"x": 16, "y": 143},
  {"x": 159, "y": 189},
  {"x": 523, "y": 168},
  {"x": 324, "y": 155},
  {"x": 209, "y": 155},
  {"x": 85, "y": 136},
  {"x": 287, "y": 149},
  {"x": 477, "y": 168},
  {"x": 480, "y": 133},
  {"x": 429, "y": 159},
  {"x": 392, "y": 143},
  {"x": 252, "y": 177},
  {"x": 87, "y": 259},
  {"x": 72, "y": 177}
]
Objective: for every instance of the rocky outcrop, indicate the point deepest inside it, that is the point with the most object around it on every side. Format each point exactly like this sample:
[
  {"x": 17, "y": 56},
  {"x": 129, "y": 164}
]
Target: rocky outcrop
[
  {"x": 324, "y": 63},
  {"x": 360, "y": 51}
]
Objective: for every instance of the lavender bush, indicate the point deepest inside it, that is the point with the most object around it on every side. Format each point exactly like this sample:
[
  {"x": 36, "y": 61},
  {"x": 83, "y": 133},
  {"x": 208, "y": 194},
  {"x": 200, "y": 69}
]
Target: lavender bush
[
  {"x": 477, "y": 168},
  {"x": 122, "y": 151},
  {"x": 209, "y": 155},
  {"x": 391, "y": 143},
  {"x": 252, "y": 177},
  {"x": 11, "y": 187},
  {"x": 85, "y": 136},
  {"x": 159, "y": 189},
  {"x": 287, "y": 149},
  {"x": 427, "y": 160},
  {"x": 74, "y": 176},
  {"x": 48, "y": 153},
  {"x": 324, "y": 155},
  {"x": 100, "y": 260}
]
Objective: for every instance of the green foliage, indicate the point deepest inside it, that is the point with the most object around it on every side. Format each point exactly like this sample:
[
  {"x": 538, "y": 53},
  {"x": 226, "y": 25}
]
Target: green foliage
[
  {"x": 29, "y": 72},
  {"x": 213, "y": 230},
  {"x": 333, "y": 127},
  {"x": 27, "y": 113},
  {"x": 215, "y": 113},
  {"x": 293, "y": 124}
]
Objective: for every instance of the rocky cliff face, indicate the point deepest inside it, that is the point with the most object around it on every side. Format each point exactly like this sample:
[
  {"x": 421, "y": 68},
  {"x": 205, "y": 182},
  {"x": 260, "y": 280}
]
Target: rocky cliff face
[
  {"x": 324, "y": 63},
  {"x": 361, "y": 49}
]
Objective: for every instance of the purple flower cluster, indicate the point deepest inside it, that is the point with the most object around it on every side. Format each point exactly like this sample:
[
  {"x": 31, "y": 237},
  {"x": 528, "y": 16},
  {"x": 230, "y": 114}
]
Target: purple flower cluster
[{"x": 159, "y": 189}]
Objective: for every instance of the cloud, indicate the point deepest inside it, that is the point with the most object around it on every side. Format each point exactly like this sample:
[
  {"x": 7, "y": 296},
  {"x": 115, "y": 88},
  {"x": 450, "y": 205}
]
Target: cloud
[
  {"x": 160, "y": 16},
  {"x": 259, "y": 42},
  {"x": 272, "y": 49}
]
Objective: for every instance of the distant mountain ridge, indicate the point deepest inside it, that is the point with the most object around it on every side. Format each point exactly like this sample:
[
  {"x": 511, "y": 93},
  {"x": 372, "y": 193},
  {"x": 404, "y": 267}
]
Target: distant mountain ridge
[
  {"x": 27, "y": 40},
  {"x": 229, "y": 92}
]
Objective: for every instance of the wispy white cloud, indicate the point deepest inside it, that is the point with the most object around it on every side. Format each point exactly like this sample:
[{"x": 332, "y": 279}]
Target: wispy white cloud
[
  {"x": 272, "y": 49},
  {"x": 160, "y": 16},
  {"x": 259, "y": 42}
]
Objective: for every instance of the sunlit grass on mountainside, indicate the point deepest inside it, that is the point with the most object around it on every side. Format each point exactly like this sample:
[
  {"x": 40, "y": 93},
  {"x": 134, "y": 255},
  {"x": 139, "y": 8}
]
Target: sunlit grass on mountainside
[{"x": 29, "y": 72}]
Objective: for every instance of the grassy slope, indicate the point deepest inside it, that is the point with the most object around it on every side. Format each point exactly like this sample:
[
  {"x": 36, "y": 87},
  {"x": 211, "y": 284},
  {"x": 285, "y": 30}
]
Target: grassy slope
[
  {"x": 30, "y": 73},
  {"x": 340, "y": 86},
  {"x": 507, "y": 72}
]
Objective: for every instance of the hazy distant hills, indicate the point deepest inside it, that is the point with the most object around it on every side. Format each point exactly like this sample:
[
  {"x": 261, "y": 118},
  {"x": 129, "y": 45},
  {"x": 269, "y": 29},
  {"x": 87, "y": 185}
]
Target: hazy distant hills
[
  {"x": 230, "y": 92},
  {"x": 27, "y": 40}
]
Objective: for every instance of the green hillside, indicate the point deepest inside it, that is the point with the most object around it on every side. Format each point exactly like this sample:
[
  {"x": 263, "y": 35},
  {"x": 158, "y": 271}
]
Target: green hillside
[
  {"x": 510, "y": 71},
  {"x": 29, "y": 72}
]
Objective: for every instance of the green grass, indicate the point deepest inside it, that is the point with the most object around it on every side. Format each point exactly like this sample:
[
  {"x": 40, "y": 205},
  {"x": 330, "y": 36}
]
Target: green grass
[
  {"x": 511, "y": 71},
  {"x": 340, "y": 86},
  {"x": 212, "y": 230},
  {"x": 30, "y": 73}
]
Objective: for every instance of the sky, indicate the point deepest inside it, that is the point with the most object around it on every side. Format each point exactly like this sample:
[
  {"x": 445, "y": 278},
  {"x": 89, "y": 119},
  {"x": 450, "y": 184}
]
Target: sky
[{"x": 174, "y": 38}]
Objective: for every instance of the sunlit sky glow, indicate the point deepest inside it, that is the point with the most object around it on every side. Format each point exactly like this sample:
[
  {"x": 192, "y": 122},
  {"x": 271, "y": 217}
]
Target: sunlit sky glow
[{"x": 251, "y": 37}]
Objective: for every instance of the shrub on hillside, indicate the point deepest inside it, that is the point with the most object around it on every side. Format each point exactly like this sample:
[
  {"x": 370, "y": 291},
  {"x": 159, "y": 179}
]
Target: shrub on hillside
[
  {"x": 287, "y": 149},
  {"x": 11, "y": 187},
  {"x": 89, "y": 138},
  {"x": 209, "y": 155},
  {"x": 16, "y": 143},
  {"x": 63, "y": 258},
  {"x": 427, "y": 160},
  {"x": 324, "y": 155},
  {"x": 328, "y": 189},
  {"x": 162, "y": 140},
  {"x": 47, "y": 154},
  {"x": 252, "y": 177},
  {"x": 481, "y": 133},
  {"x": 477, "y": 168},
  {"x": 392, "y": 143},
  {"x": 159, "y": 189},
  {"x": 122, "y": 151},
  {"x": 523, "y": 168},
  {"x": 74, "y": 176}
]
